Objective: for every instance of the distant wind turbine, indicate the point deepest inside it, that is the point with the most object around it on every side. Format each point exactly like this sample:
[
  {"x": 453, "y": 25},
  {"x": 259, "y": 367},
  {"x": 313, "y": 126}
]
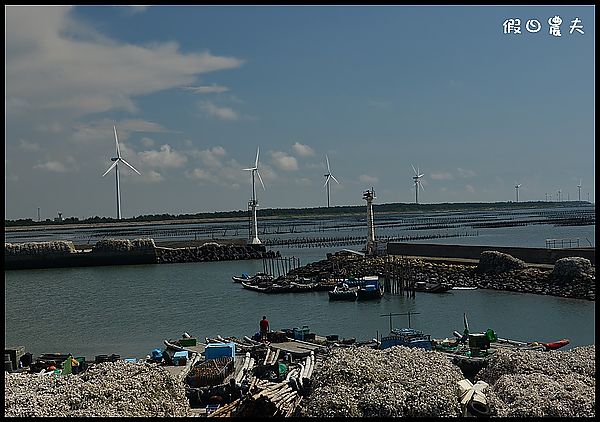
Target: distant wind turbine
[
  {"x": 517, "y": 186},
  {"x": 116, "y": 160},
  {"x": 417, "y": 180},
  {"x": 579, "y": 190},
  {"x": 253, "y": 202},
  {"x": 328, "y": 176}
]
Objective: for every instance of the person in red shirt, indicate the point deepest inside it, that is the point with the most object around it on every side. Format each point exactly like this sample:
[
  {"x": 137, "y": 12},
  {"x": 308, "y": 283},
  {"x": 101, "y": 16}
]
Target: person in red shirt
[{"x": 264, "y": 327}]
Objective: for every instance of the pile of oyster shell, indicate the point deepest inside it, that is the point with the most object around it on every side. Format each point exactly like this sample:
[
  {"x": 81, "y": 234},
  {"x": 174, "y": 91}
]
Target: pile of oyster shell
[
  {"x": 535, "y": 383},
  {"x": 399, "y": 381},
  {"x": 105, "y": 389}
]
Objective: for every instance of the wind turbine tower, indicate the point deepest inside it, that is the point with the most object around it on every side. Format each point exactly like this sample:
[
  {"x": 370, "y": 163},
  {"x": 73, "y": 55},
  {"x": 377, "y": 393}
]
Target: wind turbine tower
[
  {"x": 116, "y": 160},
  {"x": 517, "y": 186},
  {"x": 558, "y": 195},
  {"x": 417, "y": 180},
  {"x": 328, "y": 176},
  {"x": 369, "y": 196},
  {"x": 253, "y": 203},
  {"x": 579, "y": 190}
]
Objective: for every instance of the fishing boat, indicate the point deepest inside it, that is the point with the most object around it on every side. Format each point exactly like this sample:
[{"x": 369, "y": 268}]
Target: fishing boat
[
  {"x": 372, "y": 290},
  {"x": 361, "y": 281},
  {"x": 424, "y": 286},
  {"x": 343, "y": 292},
  {"x": 300, "y": 287},
  {"x": 252, "y": 279},
  {"x": 267, "y": 287},
  {"x": 469, "y": 351},
  {"x": 408, "y": 337}
]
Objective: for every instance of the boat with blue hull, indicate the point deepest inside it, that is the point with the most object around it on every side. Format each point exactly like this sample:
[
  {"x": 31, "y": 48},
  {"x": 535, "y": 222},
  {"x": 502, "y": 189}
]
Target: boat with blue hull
[
  {"x": 371, "y": 290},
  {"x": 408, "y": 337}
]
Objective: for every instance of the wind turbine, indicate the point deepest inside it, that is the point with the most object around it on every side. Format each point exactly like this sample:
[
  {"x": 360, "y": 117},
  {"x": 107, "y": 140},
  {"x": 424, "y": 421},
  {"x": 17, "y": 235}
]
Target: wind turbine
[
  {"x": 579, "y": 190},
  {"x": 558, "y": 192},
  {"x": 116, "y": 160},
  {"x": 328, "y": 176},
  {"x": 517, "y": 186},
  {"x": 417, "y": 180},
  {"x": 253, "y": 202}
]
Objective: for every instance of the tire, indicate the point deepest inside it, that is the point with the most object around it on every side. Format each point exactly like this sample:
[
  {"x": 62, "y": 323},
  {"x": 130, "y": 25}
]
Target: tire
[{"x": 478, "y": 409}]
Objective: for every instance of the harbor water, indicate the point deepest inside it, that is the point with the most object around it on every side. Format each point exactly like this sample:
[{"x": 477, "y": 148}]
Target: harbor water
[{"x": 130, "y": 310}]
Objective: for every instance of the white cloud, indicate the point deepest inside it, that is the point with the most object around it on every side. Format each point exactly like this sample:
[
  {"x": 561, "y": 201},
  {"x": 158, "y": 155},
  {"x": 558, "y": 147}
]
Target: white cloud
[
  {"x": 211, "y": 157},
  {"x": 134, "y": 10},
  {"x": 283, "y": 161},
  {"x": 56, "y": 63},
  {"x": 52, "y": 166},
  {"x": 365, "y": 178},
  {"x": 28, "y": 146},
  {"x": 303, "y": 181},
  {"x": 303, "y": 150},
  {"x": 164, "y": 158},
  {"x": 442, "y": 176},
  {"x": 470, "y": 188},
  {"x": 147, "y": 142},
  {"x": 465, "y": 173},
  {"x": 201, "y": 175},
  {"x": 209, "y": 89},
  {"x": 223, "y": 113},
  {"x": 152, "y": 177}
]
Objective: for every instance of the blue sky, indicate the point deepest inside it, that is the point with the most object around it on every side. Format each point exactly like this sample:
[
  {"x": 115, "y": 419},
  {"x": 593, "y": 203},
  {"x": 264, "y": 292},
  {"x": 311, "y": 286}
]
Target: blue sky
[{"x": 194, "y": 90}]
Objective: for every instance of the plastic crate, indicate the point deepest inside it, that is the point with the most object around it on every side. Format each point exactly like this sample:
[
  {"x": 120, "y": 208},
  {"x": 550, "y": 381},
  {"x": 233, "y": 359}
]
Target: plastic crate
[
  {"x": 217, "y": 350},
  {"x": 186, "y": 342}
]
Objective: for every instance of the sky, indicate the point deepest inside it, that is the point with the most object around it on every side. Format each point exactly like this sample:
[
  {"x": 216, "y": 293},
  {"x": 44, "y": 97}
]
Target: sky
[{"x": 194, "y": 90}]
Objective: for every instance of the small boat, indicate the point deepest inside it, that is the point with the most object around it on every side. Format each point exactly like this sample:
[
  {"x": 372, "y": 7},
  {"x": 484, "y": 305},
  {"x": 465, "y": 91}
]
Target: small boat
[
  {"x": 423, "y": 286},
  {"x": 252, "y": 279},
  {"x": 361, "y": 281},
  {"x": 373, "y": 290},
  {"x": 408, "y": 337},
  {"x": 267, "y": 287},
  {"x": 300, "y": 287},
  {"x": 554, "y": 344},
  {"x": 343, "y": 292}
]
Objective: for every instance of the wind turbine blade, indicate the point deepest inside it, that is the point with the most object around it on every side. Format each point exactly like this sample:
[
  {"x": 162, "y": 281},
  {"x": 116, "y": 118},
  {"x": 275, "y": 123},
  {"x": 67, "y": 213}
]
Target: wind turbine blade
[
  {"x": 414, "y": 169},
  {"x": 327, "y": 159},
  {"x": 421, "y": 184},
  {"x": 327, "y": 180},
  {"x": 130, "y": 166},
  {"x": 256, "y": 162},
  {"x": 250, "y": 169},
  {"x": 110, "y": 168},
  {"x": 117, "y": 142},
  {"x": 260, "y": 178},
  {"x": 420, "y": 175},
  {"x": 333, "y": 177}
]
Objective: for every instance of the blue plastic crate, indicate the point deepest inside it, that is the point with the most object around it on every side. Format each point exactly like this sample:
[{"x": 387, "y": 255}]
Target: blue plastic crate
[{"x": 218, "y": 350}]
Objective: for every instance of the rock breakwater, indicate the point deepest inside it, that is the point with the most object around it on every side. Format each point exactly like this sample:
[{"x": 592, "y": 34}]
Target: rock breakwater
[
  {"x": 212, "y": 252},
  {"x": 565, "y": 283}
]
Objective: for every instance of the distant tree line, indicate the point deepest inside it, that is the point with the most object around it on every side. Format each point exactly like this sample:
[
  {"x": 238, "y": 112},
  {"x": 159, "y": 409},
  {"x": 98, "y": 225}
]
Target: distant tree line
[{"x": 301, "y": 212}]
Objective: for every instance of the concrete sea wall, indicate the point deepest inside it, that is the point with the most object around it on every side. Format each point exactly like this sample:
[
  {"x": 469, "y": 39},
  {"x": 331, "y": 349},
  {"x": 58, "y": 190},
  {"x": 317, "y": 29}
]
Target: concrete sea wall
[{"x": 530, "y": 255}]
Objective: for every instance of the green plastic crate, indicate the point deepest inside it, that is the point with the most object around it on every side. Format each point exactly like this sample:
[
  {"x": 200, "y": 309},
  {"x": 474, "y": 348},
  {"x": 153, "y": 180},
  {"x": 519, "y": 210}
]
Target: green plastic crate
[{"x": 185, "y": 342}]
